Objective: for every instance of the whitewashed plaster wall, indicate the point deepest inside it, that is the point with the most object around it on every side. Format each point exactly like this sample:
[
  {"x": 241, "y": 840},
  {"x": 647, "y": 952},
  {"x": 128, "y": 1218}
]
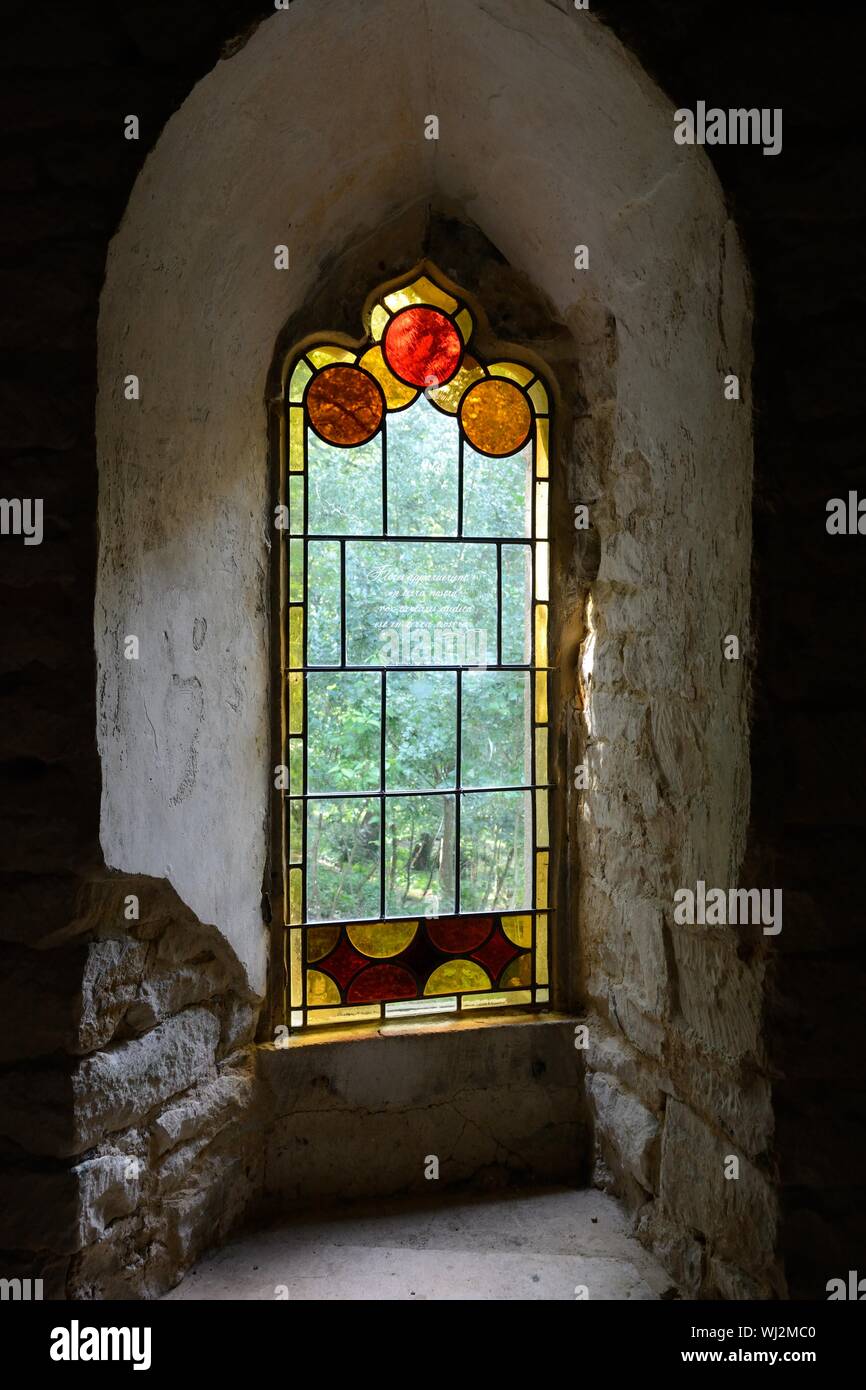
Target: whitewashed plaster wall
[{"x": 550, "y": 135}]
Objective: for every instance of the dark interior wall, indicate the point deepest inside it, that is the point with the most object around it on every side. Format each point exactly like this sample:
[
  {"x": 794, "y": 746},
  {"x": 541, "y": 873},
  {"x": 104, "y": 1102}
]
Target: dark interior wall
[{"x": 69, "y": 76}]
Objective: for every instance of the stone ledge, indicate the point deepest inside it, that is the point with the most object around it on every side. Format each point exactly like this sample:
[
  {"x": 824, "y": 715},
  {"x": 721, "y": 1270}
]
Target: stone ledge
[
  {"x": 495, "y": 1100},
  {"x": 418, "y": 1026}
]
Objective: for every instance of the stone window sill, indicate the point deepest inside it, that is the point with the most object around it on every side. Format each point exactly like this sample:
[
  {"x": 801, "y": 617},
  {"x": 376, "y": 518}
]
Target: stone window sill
[{"x": 403, "y": 1027}]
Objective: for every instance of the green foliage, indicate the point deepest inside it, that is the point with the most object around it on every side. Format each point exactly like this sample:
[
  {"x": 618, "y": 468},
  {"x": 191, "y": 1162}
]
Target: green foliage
[{"x": 396, "y": 595}]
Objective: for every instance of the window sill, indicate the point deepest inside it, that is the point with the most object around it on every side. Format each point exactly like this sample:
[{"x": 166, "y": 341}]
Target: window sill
[{"x": 365, "y": 1032}]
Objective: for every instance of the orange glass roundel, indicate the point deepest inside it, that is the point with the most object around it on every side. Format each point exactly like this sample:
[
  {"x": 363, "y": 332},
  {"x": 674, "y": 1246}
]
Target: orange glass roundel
[
  {"x": 344, "y": 405},
  {"x": 496, "y": 417},
  {"x": 422, "y": 346}
]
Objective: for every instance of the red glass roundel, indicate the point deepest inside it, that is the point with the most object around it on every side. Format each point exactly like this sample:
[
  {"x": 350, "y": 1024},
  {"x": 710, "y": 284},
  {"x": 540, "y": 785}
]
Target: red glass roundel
[
  {"x": 458, "y": 935},
  {"x": 382, "y": 982},
  {"x": 422, "y": 346}
]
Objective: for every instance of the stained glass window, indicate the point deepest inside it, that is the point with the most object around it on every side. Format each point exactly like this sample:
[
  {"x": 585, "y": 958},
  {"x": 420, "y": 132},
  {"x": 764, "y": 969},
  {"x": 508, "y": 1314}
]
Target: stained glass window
[{"x": 414, "y": 659}]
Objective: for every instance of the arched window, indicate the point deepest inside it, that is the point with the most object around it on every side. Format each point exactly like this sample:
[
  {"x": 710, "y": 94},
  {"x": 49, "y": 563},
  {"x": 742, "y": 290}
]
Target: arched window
[{"x": 414, "y": 594}]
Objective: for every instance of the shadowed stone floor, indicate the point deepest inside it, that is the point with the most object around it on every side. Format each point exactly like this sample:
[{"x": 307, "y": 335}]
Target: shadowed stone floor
[{"x": 538, "y": 1245}]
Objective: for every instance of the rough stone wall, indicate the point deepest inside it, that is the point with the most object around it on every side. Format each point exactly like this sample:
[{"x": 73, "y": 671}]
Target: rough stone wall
[
  {"x": 150, "y": 1125},
  {"x": 679, "y": 1077},
  {"x": 130, "y": 1129},
  {"x": 802, "y": 216}
]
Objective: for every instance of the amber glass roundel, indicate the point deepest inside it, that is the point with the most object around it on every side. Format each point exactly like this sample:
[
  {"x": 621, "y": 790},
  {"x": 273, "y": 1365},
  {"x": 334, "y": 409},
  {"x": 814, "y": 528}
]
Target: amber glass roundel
[
  {"x": 344, "y": 405},
  {"x": 422, "y": 346},
  {"x": 496, "y": 417}
]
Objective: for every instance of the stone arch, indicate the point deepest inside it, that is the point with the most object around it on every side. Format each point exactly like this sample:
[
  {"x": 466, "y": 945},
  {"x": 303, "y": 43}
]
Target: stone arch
[{"x": 550, "y": 136}]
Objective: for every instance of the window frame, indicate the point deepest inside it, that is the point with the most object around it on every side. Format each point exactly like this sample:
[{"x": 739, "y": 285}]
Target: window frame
[{"x": 491, "y": 355}]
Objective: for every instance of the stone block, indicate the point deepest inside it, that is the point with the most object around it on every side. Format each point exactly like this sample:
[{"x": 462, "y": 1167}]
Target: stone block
[
  {"x": 720, "y": 995},
  {"x": 609, "y": 1051},
  {"x": 726, "y": 1281},
  {"x": 108, "y": 1187},
  {"x": 203, "y": 1110},
  {"x": 124, "y": 1083},
  {"x": 110, "y": 984},
  {"x": 736, "y": 1216},
  {"x": 647, "y": 1034},
  {"x": 628, "y": 1130},
  {"x": 677, "y": 1249}
]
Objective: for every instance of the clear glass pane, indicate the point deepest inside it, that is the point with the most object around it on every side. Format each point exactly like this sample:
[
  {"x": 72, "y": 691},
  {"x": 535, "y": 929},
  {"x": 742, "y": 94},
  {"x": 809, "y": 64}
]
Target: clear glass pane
[
  {"x": 296, "y": 766},
  {"x": 496, "y": 493},
  {"x": 296, "y": 702},
  {"x": 343, "y": 717},
  {"x": 296, "y": 638},
  {"x": 495, "y": 851},
  {"x": 419, "y": 854},
  {"x": 516, "y": 604},
  {"x": 492, "y": 1001},
  {"x": 296, "y": 571},
  {"x": 538, "y": 396},
  {"x": 345, "y": 488},
  {"x": 296, "y": 895},
  {"x": 405, "y": 1008},
  {"x": 541, "y": 696},
  {"x": 541, "y": 753},
  {"x": 541, "y": 634},
  {"x": 514, "y": 371},
  {"x": 421, "y": 291},
  {"x": 327, "y": 353},
  {"x": 542, "y": 570},
  {"x": 420, "y": 604},
  {"x": 421, "y": 730},
  {"x": 342, "y": 859},
  {"x": 542, "y": 448},
  {"x": 541, "y": 510},
  {"x": 542, "y": 867},
  {"x": 359, "y": 1013},
  {"x": 300, "y": 377},
  {"x": 296, "y": 439},
  {"x": 496, "y": 722},
  {"x": 296, "y": 505},
  {"x": 541, "y": 948},
  {"x": 323, "y": 607},
  {"x": 296, "y": 829},
  {"x": 295, "y": 973},
  {"x": 422, "y": 472}
]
